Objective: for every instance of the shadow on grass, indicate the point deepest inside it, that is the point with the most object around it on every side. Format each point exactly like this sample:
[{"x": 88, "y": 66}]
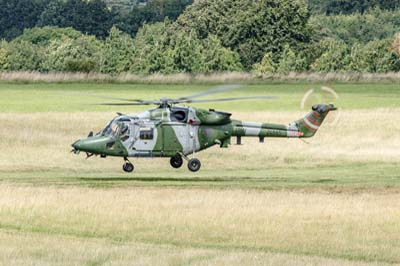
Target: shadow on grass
[
  {"x": 324, "y": 180},
  {"x": 168, "y": 179}
]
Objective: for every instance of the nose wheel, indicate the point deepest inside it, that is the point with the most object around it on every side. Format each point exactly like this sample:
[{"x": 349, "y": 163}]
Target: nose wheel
[{"x": 128, "y": 166}]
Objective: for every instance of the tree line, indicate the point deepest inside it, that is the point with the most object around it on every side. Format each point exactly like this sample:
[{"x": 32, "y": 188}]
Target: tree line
[
  {"x": 91, "y": 17},
  {"x": 260, "y": 36}
]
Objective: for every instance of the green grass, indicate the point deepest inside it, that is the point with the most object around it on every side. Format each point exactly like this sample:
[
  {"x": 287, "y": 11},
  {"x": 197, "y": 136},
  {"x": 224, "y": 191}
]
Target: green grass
[
  {"x": 343, "y": 176},
  {"x": 39, "y": 97}
]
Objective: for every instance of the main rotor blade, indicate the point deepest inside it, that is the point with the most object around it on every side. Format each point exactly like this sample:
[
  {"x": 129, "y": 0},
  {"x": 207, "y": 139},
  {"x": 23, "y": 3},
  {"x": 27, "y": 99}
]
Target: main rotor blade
[
  {"x": 120, "y": 99},
  {"x": 227, "y": 99},
  {"x": 128, "y": 104},
  {"x": 212, "y": 91},
  {"x": 107, "y": 97}
]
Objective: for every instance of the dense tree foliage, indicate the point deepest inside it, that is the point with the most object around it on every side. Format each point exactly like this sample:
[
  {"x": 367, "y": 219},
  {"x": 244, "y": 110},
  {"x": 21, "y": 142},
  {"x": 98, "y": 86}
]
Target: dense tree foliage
[
  {"x": 16, "y": 15},
  {"x": 209, "y": 36},
  {"x": 363, "y": 28},
  {"x": 153, "y": 11},
  {"x": 91, "y": 17},
  {"x": 123, "y": 4},
  {"x": 159, "y": 51},
  {"x": 350, "y": 6},
  {"x": 249, "y": 27}
]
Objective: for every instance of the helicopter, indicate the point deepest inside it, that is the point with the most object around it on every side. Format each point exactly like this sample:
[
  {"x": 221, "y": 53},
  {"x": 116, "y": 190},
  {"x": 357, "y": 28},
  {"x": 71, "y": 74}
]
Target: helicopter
[{"x": 178, "y": 132}]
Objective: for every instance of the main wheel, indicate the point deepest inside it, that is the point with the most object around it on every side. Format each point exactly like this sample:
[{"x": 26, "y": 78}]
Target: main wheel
[
  {"x": 128, "y": 167},
  {"x": 194, "y": 165},
  {"x": 176, "y": 161}
]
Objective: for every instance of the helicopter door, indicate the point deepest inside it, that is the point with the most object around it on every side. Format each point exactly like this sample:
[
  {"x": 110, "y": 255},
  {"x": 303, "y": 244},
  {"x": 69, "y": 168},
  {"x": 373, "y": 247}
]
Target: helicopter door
[{"x": 146, "y": 139}]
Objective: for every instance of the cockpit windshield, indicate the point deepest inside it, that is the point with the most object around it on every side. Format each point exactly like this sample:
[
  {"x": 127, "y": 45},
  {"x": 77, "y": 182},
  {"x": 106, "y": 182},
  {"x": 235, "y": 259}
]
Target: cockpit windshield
[{"x": 115, "y": 127}]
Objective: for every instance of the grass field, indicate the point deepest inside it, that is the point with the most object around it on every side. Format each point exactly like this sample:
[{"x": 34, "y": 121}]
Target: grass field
[{"x": 333, "y": 200}]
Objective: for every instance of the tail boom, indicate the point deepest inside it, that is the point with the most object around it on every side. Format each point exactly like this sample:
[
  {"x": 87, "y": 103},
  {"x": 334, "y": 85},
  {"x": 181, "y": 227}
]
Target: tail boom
[{"x": 303, "y": 128}]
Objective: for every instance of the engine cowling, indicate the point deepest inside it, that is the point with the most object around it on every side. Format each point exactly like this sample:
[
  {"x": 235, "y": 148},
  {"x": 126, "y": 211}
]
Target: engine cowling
[{"x": 212, "y": 117}]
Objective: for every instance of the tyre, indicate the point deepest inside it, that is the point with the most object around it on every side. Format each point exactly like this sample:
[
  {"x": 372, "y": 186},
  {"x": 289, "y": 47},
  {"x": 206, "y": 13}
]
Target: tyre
[
  {"x": 176, "y": 161},
  {"x": 128, "y": 167},
  {"x": 194, "y": 165}
]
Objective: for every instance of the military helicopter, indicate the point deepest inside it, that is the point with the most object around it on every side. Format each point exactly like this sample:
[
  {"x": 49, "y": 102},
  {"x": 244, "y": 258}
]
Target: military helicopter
[{"x": 179, "y": 132}]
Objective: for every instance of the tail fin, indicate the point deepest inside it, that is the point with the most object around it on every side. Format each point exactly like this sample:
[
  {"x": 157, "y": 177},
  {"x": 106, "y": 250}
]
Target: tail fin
[{"x": 309, "y": 124}]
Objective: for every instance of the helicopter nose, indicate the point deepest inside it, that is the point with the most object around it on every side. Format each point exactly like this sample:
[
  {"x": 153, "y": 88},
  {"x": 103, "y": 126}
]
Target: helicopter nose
[{"x": 77, "y": 144}]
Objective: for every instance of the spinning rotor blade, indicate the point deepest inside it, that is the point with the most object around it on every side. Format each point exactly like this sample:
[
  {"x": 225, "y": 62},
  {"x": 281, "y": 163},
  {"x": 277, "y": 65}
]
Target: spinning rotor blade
[
  {"x": 208, "y": 92},
  {"x": 187, "y": 99},
  {"x": 228, "y": 99},
  {"x": 104, "y": 97},
  {"x": 119, "y": 99},
  {"x": 128, "y": 104}
]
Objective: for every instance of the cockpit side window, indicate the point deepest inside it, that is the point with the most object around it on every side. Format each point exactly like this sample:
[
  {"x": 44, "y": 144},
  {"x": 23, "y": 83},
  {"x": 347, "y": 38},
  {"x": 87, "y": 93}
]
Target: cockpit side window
[
  {"x": 146, "y": 133},
  {"x": 114, "y": 128},
  {"x": 124, "y": 132}
]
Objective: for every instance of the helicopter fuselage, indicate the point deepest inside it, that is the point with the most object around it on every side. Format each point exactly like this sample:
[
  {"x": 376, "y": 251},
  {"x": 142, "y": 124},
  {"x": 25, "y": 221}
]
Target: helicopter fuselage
[{"x": 160, "y": 132}]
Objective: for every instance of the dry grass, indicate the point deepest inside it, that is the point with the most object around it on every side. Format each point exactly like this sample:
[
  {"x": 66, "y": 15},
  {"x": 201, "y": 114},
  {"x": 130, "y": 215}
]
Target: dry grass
[
  {"x": 214, "y": 227},
  {"x": 60, "y": 250},
  {"x": 201, "y": 78}
]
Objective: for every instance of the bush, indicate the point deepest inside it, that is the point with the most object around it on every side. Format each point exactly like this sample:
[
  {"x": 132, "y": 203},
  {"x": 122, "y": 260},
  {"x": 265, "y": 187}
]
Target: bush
[
  {"x": 379, "y": 58},
  {"x": 24, "y": 56},
  {"x": 118, "y": 52},
  {"x": 43, "y": 36},
  {"x": 160, "y": 50},
  {"x": 290, "y": 62},
  {"x": 82, "y": 65},
  {"x": 333, "y": 56},
  {"x": 150, "y": 44},
  {"x": 267, "y": 65},
  {"x": 217, "y": 58},
  {"x": 395, "y": 47},
  {"x": 82, "y": 54}
]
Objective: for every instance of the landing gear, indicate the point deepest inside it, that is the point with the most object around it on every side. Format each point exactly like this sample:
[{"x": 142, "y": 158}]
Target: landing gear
[
  {"x": 128, "y": 166},
  {"x": 176, "y": 161},
  {"x": 194, "y": 165}
]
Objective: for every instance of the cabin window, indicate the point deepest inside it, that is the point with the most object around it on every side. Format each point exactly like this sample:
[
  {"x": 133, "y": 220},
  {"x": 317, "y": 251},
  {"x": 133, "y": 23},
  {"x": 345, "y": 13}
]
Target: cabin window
[
  {"x": 146, "y": 133},
  {"x": 179, "y": 114}
]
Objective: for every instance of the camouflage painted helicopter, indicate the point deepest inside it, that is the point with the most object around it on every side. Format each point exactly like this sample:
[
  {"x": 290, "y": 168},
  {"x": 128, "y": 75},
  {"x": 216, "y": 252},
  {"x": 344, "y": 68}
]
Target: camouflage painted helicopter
[{"x": 178, "y": 132}]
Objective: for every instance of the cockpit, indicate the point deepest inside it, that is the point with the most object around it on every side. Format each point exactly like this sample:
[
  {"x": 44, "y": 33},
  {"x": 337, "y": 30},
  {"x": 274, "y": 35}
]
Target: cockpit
[{"x": 117, "y": 127}]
